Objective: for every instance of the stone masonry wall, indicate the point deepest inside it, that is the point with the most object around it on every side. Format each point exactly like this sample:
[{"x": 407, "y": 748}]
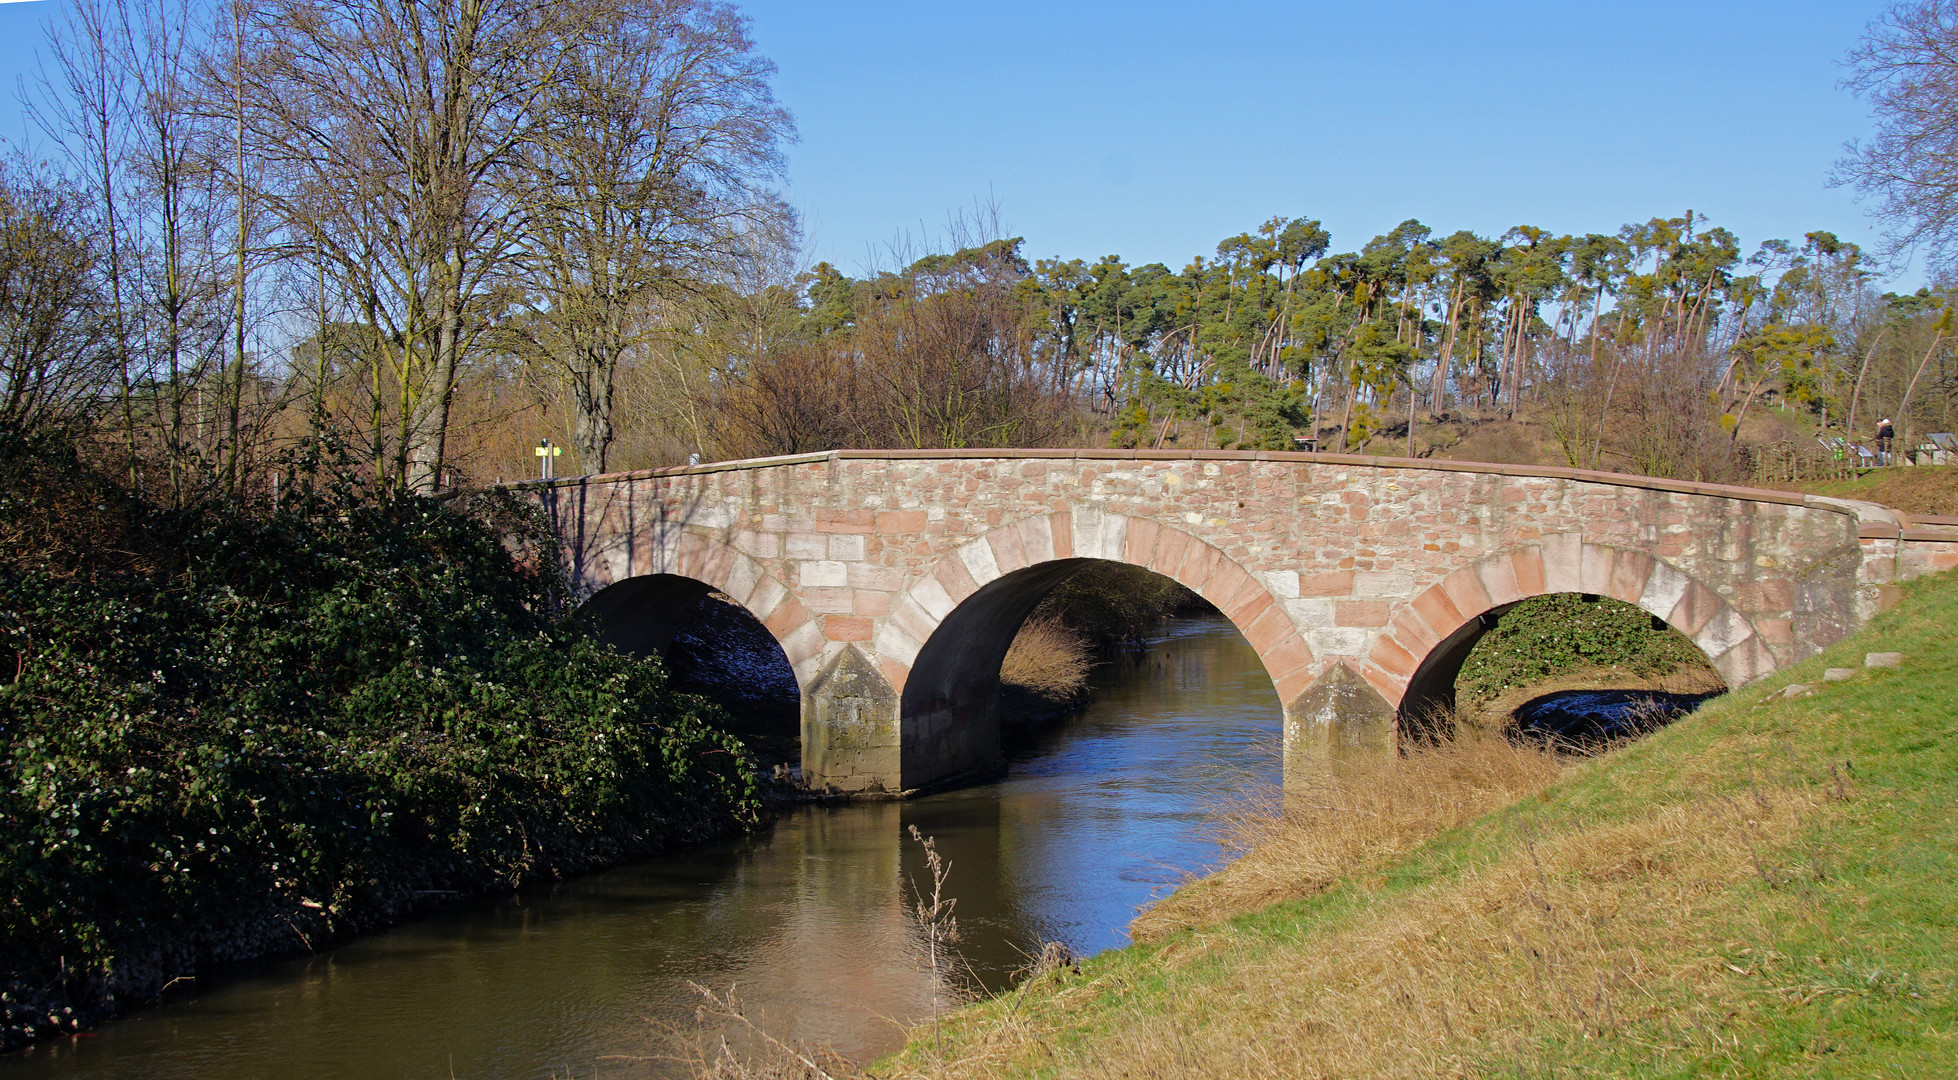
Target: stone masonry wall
[{"x": 1352, "y": 567}]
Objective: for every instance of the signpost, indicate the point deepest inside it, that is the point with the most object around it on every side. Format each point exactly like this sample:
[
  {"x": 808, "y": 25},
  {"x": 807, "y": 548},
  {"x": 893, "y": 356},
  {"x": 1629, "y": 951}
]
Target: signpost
[{"x": 546, "y": 451}]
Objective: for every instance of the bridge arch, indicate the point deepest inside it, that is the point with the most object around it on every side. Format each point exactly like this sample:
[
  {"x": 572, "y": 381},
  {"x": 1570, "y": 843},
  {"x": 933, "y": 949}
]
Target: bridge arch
[
  {"x": 949, "y": 631},
  {"x": 1414, "y": 662},
  {"x": 639, "y": 598}
]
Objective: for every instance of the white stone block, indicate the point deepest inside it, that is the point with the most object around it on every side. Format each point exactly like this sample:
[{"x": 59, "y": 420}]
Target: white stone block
[
  {"x": 822, "y": 572},
  {"x": 1309, "y": 612},
  {"x": 1337, "y": 641},
  {"x": 847, "y": 547},
  {"x": 897, "y": 645},
  {"x": 979, "y": 561},
  {"x": 807, "y": 545},
  {"x": 1114, "y": 537},
  {"x": 1283, "y": 584},
  {"x": 1389, "y": 583}
]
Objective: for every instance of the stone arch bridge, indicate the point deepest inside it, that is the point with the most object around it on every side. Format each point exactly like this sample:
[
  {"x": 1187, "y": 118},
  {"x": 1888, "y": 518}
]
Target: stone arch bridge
[{"x": 895, "y": 581}]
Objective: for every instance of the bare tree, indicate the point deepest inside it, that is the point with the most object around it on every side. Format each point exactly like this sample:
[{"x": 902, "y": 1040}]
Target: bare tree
[
  {"x": 56, "y": 364},
  {"x": 1906, "y": 67},
  {"x": 646, "y": 180},
  {"x": 385, "y": 130},
  {"x": 84, "y": 108}
]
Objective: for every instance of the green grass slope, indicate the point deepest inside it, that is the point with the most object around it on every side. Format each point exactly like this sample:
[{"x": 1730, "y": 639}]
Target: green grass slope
[{"x": 1761, "y": 890}]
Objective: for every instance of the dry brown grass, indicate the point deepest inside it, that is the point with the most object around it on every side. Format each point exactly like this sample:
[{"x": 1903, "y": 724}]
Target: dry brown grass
[
  {"x": 1305, "y": 840},
  {"x": 1541, "y": 937},
  {"x": 1048, "y": 658}
]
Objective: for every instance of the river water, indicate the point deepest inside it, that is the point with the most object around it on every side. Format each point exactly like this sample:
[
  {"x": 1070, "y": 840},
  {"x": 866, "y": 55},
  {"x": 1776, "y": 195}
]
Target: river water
[{"x": 806, "y": 922}]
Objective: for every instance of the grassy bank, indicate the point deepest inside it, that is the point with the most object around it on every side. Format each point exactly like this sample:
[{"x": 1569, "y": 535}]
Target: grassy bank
[
  {"x": 235, "y": 731},
  {"x": 1758, "y": 890},
  {"x": 1915, "y": 489}
]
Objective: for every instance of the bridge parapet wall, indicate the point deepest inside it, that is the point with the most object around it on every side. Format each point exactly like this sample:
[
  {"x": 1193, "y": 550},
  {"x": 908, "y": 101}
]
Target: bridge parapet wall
[{"x": 856, "y": 560}]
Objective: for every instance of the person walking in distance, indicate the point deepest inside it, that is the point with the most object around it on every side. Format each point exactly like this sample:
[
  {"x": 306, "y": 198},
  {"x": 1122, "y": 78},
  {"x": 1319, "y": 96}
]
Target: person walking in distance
[{"x": 1886, "y": 433}]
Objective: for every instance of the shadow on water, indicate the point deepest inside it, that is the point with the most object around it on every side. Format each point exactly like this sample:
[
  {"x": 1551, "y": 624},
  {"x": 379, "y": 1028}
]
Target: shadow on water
[
  {"x": 807, "y": 920},
  {"x": 1588, "y": 720}
]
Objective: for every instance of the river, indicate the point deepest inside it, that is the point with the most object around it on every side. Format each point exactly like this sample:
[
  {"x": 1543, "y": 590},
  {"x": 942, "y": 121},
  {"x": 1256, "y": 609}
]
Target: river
[{"x": 806, "y": 921}]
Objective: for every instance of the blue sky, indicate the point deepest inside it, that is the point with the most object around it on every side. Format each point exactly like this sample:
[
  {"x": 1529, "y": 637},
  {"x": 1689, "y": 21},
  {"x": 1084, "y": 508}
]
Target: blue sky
[{"x": 1153, "y": 130}]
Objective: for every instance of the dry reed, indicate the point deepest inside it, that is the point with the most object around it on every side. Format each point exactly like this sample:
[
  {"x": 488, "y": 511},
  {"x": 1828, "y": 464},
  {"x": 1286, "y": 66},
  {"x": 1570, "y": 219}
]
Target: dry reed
[
  {"x": 1304, "y": 840},
  {"x": 1546, "y": 934},
  {"x": 1048, "y": 658}
]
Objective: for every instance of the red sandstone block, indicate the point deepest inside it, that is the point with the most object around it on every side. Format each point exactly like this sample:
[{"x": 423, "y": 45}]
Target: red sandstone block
[
  {"x": 898, "y": 522},
  {"x": 1229, "y": 586},
  {"x": 1008, "y": 554},
  {"x": 1170, "y": 545},
  {"x": 1330, "y": 583},
  {"x": 1498, "y": 577},
  {"x": 718, "y": 564},
  {"x": 787, "y": 615},
  {"x": 1770, "y": 595},
  {"x": 1062, "y": 525},
  {"x": 1776, "y": 631},
  {"x": 1140, "y": 546},
  {"x": 1410, "y": 628},
  {"x": 1199, "y": 563},
  {"x": 845, "y": 520},
  {"x": 1249, "y": 608},
  {"x": 692, "y": 555},
  {"x": 1290, "y": 654},
  {"x": 1944, "y": 560},
  {"x": 955, "y": 578},
  {"x": 1629, "y": 571},
  {"x": 894, "y": 673},
  {"x": 871, "y": 602},
  {"x": 1268, "y": 629},
  {"x": 1465, "y": 591},
  {"x": 1368, "y": 613},
  {"x": 1695, "y": 609},
  {"x": 1289, "y": 687},
  {"x": 846, "y": 628},
  {"x": 1527, "y": 565},
  {"x": 1393, "y": 657}
]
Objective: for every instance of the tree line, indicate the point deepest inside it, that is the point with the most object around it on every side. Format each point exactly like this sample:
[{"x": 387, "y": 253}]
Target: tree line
[
  {"x": 1645, "y": 349},
  {"x": 446, "y": 229}
]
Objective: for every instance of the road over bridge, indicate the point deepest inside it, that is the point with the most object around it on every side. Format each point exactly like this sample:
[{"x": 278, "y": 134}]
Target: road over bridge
[{"x": 895, "y": 581}]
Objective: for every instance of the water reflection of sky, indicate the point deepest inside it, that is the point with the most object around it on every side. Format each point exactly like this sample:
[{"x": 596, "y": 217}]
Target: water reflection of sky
[{"x": 807, "y": 921}]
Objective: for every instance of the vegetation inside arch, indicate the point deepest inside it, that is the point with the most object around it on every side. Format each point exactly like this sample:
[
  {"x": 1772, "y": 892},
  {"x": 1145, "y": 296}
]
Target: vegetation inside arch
[
  {"x": 1099, "y": 612},
  {"x": 1580, "y": 669}
]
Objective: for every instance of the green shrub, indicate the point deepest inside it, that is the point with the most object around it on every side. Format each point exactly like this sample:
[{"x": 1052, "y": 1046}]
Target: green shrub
[
  {"x": 303, "y": 715},
  {"x": 1546, "y": 636}
]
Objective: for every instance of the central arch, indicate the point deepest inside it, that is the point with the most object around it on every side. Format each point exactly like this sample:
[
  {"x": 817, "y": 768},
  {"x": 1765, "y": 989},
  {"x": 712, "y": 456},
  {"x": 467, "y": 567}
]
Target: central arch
[{"x": 951, "y": 628}]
